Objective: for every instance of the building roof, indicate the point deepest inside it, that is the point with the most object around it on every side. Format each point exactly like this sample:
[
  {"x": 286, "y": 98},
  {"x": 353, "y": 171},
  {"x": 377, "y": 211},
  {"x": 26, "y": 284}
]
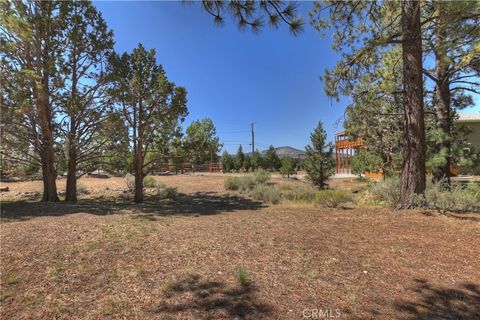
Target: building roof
[{"x": 468, "y": 117}]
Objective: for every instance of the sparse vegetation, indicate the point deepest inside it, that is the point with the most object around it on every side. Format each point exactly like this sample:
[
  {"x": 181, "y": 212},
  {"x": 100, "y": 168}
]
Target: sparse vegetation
[
  {"x": 151, "y": 182},
  {"x": 387, "y": 190},
  {"x": 332, "y": 198},
  {"x": 242, "y": 275},
  {"x": 130, "y": 181},
  {"x": 266, "y": 193},
  {"x": 459, "y": 198},
  {"x": 82, "y": 188}
]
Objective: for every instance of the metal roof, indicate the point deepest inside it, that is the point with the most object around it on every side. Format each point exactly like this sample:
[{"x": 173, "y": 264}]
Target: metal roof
[{"x": 468, "y": 117}]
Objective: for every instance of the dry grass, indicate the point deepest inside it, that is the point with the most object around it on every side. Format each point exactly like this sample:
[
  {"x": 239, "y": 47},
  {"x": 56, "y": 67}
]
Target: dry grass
[{"x": 168, "y": 259}]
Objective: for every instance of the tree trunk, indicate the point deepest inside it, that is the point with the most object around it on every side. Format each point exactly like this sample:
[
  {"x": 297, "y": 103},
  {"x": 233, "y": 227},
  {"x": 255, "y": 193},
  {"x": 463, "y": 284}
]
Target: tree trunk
[
  {"x": 71, "y": 191},
  {"x": 138, "y": 176},
  {"x": 49, "y": 175},
  {"x": 413, "y": 173},
  {"x": 442, "y": 111},
  {"x": 442, "y": 106}
]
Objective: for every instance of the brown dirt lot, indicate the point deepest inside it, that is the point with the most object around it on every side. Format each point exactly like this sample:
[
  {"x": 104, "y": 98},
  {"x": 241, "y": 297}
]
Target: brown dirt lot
[{"x": 107, "y": 258}]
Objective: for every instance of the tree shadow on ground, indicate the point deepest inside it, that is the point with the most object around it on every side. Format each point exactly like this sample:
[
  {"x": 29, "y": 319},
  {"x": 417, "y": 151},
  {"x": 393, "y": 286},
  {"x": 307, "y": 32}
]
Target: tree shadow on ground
[
  {"x": 438, "y": 302},
  {"x": 211, "y": 299},
  {"x": 199, "y": 203}
]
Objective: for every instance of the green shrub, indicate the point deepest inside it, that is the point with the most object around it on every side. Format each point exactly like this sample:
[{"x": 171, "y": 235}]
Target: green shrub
[
  {"x": 242, "y": 275},
  {"x": 169, "y": 193},
  {"x": 387, "y": 190},
  {"x": 151, "y": 182},
  {"x": 261, "y": 176},
  {"x": 304, "y": 193},
  {"x": 130, "y": 181},
  {"x": 266, "y": 193},
  {"x": 456, "y": 199},
  {"x": 332, "y": 198},
  {"x": 232, "y": 183},
  {"x": 81, "y": 188},
  {"x": 247, "y": 182}
]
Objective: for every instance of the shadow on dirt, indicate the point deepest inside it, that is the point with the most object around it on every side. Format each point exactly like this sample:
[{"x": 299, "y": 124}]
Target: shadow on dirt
[
  {"x": 427, "y": 301},
  {"x": 435, "y": 302},
  {"x": 200, "y": 203},
  {"x": 211, "y": 299}
]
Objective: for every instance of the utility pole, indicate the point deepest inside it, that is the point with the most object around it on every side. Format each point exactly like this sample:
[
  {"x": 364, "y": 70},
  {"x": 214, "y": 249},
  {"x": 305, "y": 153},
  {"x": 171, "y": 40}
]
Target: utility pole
[{"x": 253, "y": 147}]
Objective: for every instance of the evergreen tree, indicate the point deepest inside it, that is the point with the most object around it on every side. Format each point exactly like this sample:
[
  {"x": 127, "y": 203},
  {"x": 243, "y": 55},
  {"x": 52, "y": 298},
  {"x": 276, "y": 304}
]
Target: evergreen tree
[
  {"x": 31, "y": 51},
  {"x": 257, "y": 160},
  {"x": 250, "y": 14},
  {"x": 227, "y": 162},
  {"x": 365, "y": 161},
  {"x": 150, "y": 105},
  {"x": 319, "y": 163},
  {"x": 288, "y": 166},
  {"x": 239, "y": 158},
  {"x": 84, "y": 103},
  {"x": 247, "y": 163},
  {"x": 271, "y": 160}
]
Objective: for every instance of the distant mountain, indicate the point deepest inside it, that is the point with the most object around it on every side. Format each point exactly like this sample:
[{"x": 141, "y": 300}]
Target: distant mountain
[{"x": 286, "y": 151}]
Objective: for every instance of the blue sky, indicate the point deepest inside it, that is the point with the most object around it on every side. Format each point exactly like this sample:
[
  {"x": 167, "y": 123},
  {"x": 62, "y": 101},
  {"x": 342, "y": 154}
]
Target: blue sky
[{"x": 233, "y": 77}]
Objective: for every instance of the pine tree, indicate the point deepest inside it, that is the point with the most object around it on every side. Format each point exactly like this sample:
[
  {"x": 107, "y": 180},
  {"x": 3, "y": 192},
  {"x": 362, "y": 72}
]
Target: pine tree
[
  {"x": 257, "y": 160},
  {"x": 288, "y": 166},
  {"x": 271, "y": 160},
  {"x": 239, "y": 158},
  {"x": 227, "y": 162},
  {"x": 247, "y": 163},
  {"x": 31, "y": 81},
  {"x": 150, "y": 105},
  {"x": 85, "y": 104},
  {"x": 319, "y": 163}
]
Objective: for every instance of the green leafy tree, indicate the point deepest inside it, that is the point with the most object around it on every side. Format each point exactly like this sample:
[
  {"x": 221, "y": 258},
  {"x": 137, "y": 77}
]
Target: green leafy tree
[
  {"x": 201, "y": 141},
  {"x": 319, "y": 163},
  {"x": 271, "y": 160},
  {"x": 288, "y": 166},
  {"x": 149, "y": 104},
  {"x": 227, "y": 162},
  {"x": 239, "y": 158},
  {"x": 365, "y": 161}
]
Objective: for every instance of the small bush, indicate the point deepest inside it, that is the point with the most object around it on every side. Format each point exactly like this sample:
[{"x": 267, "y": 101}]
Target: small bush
[
  {"x": 82, "y": 188},
  {"x": 266, "y": 193},
  {"x": 242, "y": 275},
  {"x": 247, "y": 182},
  {"x": 387, "y": 191},
  {"x": 232, "y": 183},
  {"x": 332, "y": 198},
  {"x": 261, "y": 176},
  {"x": 169, "y": 193},
  {"x": 130, "y": 181},
  {"x": 456, "y": 199},
  {"x": 306, "y": 194},
  {"x": 151, "y": 182}
]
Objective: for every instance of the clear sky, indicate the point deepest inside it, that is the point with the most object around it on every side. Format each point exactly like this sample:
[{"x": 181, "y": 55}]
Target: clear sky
[{"x": 234, "y": 77}]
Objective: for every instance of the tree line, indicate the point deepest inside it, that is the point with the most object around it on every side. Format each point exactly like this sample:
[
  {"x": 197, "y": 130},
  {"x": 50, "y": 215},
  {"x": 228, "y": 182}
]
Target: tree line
[
  {"x": 71, "y": 104},
  {"x": 407, "y": 65}
]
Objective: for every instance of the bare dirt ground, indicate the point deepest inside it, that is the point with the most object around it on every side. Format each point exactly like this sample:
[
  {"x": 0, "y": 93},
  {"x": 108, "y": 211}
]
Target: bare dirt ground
[{"x": 107, "y": 258}]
